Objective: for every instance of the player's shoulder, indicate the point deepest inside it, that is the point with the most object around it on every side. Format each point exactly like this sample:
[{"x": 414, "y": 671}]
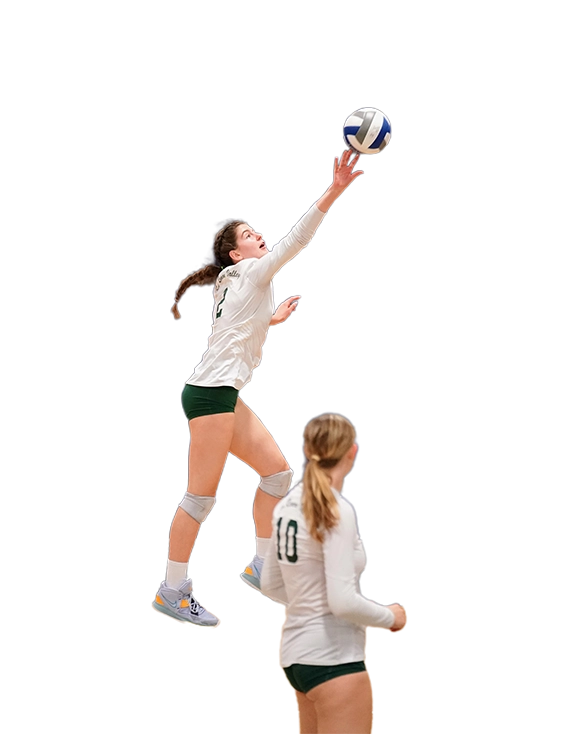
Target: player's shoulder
[
  {"x": 231, "y": 274},
  {"x": 247, "y": 264},
  {"x": 291, "y": 501},
  {"x": 246, "y": 274},
  {"x": 347, "y": 510}
]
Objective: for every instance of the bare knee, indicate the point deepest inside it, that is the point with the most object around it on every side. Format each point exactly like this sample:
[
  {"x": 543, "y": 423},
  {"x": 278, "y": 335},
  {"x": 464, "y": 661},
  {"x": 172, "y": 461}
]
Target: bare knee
[
  {"x": 284, "y": 465},
  {"x": 267, "y": 466}
]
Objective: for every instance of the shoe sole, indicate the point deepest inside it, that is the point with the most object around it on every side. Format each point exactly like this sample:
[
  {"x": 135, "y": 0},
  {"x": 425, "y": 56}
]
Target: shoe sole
[
  {"x": 172, "y": 614},
  {"x": 251, "y": 581},
  {"x": 244, "y": 578}
]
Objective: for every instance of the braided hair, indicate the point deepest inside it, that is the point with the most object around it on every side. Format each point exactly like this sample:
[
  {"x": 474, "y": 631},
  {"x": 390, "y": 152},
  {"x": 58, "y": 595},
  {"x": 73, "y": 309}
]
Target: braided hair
[{"x": 225, "y": 242}]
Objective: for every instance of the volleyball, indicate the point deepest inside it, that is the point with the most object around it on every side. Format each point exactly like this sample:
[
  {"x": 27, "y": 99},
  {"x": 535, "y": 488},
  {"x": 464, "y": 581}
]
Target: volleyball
[{"x": 367, "y": 130}]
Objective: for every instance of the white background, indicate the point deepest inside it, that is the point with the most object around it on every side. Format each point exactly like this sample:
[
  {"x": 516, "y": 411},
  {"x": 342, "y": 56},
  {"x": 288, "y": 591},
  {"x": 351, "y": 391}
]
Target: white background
[{"x": 441, "y": 312}]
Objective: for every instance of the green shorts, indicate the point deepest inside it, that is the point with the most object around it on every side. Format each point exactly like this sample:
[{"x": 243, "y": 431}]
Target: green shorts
[
  {"x": 305, "y": 677},
  {"x": 198, "y": 401}
]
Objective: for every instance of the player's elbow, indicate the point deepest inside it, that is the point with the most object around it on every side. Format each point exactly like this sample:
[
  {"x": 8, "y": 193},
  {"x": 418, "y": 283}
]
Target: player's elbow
[
  {"x": 342, "y": 607},
  {"x": 267, "y": 580},
  {"x": 274, "y": 591},
  {"x": 267, "y": 587}
]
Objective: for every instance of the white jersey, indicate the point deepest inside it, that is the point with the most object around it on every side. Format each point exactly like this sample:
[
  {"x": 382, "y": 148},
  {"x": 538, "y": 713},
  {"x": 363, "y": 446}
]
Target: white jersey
[
  {"x": 243, "y": 309},
  {"x": 326, "y": 614}
]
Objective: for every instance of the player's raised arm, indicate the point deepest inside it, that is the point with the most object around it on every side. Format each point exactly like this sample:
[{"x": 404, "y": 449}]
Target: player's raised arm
[{"x": 270, "y": 262}]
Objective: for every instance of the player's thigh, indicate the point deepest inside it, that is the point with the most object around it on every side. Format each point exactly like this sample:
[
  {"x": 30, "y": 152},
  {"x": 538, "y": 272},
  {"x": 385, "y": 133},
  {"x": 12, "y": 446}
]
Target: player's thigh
[
  {"x": 308, "y": 718},
  {"x": 253, "y": 444},
  {"x": 210, "y": 439},
  {"x": 343, "y": 705}
]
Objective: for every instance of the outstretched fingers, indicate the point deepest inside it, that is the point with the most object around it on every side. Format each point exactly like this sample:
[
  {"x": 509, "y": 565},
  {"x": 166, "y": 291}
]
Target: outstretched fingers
[
  {"x": 351, "y": 165},
  {"x": 354, "y": 160},
  {"x": 344, "y": 171}
]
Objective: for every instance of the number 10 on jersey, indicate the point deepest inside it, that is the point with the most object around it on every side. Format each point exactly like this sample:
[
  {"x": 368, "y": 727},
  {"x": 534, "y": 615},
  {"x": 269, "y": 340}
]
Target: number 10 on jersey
[{"x": 291, "y": 532}]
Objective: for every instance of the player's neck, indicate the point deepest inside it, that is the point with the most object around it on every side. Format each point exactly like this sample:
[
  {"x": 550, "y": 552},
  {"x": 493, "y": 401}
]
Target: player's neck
[{"x": 337, "y": 479}]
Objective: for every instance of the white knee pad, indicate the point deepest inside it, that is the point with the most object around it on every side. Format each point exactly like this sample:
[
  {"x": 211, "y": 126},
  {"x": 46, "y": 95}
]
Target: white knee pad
[
  {"x": 196, "y": 506},
  {"x": 277, "y": 485}
]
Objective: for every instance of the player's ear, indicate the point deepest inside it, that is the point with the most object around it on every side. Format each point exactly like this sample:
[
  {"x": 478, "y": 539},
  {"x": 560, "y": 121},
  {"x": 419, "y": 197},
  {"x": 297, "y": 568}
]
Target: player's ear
[
  {"x": 235, "y": 256},
  {"x": 350, "y": 456}
]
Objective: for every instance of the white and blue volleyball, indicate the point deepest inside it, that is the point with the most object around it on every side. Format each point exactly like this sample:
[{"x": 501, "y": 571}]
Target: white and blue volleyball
[{"x": 367, "y": 130}]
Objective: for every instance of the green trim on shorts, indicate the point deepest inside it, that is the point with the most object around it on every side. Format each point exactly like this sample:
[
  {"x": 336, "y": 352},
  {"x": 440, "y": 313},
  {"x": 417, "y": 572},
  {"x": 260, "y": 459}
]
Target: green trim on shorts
[
  {"x": 197, "y": 400},
  {"x": 305, "y": 677}
]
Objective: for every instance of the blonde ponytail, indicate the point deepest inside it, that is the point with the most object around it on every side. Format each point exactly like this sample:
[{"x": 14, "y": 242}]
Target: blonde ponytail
[
  {"x": 319, "y": 505},
  {"x": 327, "y": 438}
]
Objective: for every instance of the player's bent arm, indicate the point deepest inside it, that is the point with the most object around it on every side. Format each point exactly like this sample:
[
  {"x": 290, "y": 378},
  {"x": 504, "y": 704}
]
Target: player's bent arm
[
  {"x": 343, "y": 597},
  {"x": 271, "y": 579}
]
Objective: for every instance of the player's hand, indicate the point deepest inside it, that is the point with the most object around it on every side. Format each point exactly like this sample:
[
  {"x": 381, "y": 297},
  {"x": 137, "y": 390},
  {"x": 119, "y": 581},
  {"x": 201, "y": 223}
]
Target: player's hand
[
  {"x": 344, "y": 173},
  {"x": 285, "y": 310},
  {"x": 400, "y": 617}
]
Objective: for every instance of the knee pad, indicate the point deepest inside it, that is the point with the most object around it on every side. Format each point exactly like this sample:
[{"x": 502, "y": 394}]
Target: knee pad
[
  {"x": 277, "y": 485},
  {"x": 196, "y": 506}
]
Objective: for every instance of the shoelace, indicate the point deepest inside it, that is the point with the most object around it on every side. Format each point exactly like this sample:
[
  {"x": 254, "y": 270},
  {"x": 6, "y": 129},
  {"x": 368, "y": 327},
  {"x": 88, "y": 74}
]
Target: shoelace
[{"x": 195, "y": 607}]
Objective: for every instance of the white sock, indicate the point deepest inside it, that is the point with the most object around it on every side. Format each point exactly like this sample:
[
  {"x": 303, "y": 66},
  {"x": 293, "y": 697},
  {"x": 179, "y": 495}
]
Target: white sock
[
  {"x": 262, "y": 546},
  {"x": 175, "y": 573}
]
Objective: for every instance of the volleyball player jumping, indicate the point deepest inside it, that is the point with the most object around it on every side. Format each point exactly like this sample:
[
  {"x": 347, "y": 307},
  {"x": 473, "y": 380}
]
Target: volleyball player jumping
[{"x": 219, "y": 421}]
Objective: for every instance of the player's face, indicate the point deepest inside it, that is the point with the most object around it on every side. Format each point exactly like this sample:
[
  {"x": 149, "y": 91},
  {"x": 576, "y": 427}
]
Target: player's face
[{"x": 249, "y": 244}]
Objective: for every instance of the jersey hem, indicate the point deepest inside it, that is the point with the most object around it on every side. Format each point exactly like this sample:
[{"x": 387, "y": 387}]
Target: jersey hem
[{"x": 342, "y": 661}]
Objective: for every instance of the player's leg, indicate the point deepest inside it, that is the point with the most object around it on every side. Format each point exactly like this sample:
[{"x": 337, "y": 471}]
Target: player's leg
[
  {"x": 210, "y": 438},
  {"x": 253, "y": 444},
  {"x": 343, "y": 705},
  {"x": 308, "y": 718}
]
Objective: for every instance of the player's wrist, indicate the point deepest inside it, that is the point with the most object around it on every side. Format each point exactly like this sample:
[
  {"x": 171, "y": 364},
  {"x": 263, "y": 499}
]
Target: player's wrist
[
  {"x": 332, "y": 193},
  {"x": 335, "y": 190}
]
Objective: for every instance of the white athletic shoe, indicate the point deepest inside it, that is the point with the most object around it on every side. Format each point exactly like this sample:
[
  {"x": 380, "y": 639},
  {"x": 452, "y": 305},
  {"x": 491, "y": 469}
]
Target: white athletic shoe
[
  {"x": 181, "y": 605},
  {"x": 252, "y": 574}
]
